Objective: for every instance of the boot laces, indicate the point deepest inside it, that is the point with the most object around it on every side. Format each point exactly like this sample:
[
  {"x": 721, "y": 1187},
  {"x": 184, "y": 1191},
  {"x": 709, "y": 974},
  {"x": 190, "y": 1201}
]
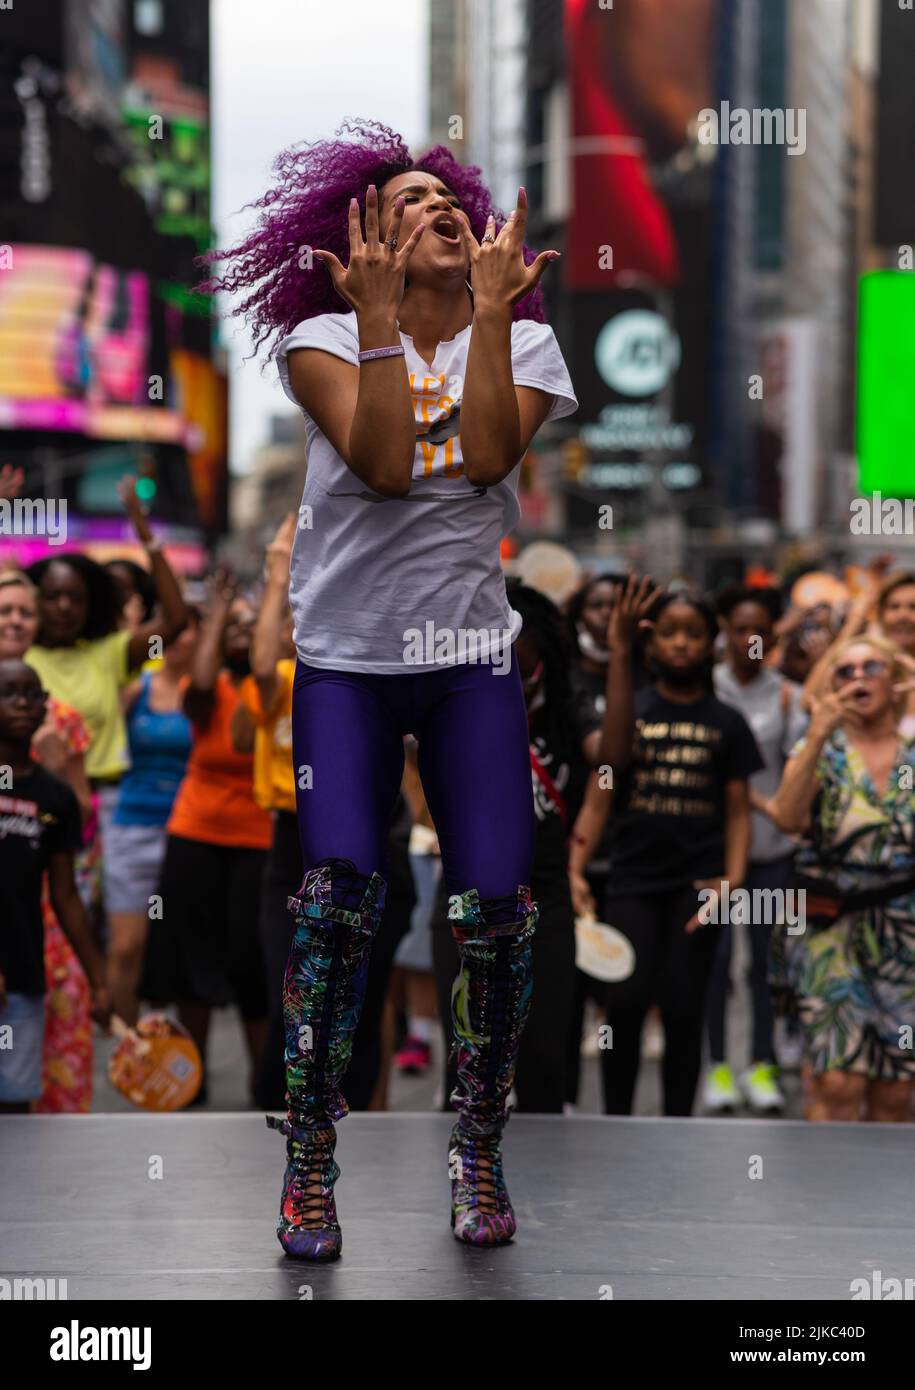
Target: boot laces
[
  {"x": 309, "y": 1163},
  {"x": 481, "y": 1172}
]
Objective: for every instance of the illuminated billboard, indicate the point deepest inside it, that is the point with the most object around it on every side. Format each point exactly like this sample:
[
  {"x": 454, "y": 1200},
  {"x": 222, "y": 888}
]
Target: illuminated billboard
[
  {"x": 886, "y": 371},
  {"x": 74, "y": 348},
  {"x": 637, "y": 256}
]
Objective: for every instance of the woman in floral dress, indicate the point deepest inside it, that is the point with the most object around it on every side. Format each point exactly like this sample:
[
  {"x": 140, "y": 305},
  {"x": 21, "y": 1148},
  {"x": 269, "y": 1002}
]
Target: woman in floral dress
[{"x": 851, "y": 971}]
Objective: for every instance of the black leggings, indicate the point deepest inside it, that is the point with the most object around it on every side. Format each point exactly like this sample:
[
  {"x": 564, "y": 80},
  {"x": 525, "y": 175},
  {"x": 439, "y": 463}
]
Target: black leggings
[
  {"x": 672, "y": 970},
  {"x": 775, "y": 874},
  {"x": 541, "y": 1079}
]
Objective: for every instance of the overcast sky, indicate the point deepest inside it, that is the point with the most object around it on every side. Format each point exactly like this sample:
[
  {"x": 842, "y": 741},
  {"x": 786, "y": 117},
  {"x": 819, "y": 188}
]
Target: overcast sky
[{"x": 289, "y": 70}]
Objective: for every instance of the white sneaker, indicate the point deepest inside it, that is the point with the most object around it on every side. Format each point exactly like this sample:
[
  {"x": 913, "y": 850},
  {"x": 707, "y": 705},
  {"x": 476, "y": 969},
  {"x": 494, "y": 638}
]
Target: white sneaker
[
  {"x": 760, "y": 1087},
  {"x": 719, "y": 1092}
]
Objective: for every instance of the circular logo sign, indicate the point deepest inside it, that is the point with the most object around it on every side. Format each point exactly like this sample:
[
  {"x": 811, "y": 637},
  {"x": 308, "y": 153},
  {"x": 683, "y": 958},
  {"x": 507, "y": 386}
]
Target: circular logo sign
[{"x": 637, "y": 352}]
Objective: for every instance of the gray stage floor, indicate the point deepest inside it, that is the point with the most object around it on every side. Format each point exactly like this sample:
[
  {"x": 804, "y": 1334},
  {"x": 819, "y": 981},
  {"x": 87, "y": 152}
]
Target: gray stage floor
[{"x": 652, "y": 1209}]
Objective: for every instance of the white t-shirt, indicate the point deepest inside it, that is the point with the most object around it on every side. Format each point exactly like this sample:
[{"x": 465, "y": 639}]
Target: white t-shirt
[{"x": 398, "y": 584}]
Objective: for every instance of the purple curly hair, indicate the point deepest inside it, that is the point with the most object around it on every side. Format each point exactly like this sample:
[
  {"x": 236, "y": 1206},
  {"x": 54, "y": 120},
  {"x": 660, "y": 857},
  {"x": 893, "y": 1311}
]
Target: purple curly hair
[{"x": 308, "y": 206}]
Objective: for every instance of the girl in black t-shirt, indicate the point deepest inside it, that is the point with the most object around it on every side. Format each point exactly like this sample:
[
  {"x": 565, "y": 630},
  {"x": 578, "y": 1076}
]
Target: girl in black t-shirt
[
  {"x": 681, "y": 827},
  {"x": 562, "y": 750}
]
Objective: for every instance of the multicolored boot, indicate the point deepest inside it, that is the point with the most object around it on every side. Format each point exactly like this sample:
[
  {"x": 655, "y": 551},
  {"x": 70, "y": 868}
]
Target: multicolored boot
[
  {"x": 490, "y": 1002},
  {"x": 337, "y": 915}
]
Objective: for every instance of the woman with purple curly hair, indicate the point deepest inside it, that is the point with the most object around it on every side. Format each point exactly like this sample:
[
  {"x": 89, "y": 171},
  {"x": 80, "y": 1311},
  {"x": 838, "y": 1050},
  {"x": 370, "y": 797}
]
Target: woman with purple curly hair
[{"x": 418, "y": 355}]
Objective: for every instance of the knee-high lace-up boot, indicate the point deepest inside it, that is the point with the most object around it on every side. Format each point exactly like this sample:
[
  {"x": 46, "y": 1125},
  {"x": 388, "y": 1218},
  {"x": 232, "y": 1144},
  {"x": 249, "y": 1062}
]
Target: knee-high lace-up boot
[
  {"x": 337, "y": 915},
  {"x": 490, "y": 1002}
]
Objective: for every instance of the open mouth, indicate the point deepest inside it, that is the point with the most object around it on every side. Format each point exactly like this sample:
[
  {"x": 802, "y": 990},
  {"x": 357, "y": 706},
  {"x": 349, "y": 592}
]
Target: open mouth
[
  {"x": 446, "y": 227},
  {"x": 861, "y": 695}
]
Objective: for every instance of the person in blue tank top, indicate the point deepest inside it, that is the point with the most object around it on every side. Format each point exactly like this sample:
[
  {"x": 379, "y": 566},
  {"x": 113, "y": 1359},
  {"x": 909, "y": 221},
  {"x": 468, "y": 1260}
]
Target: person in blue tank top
[{"x": 159, "y": 738}]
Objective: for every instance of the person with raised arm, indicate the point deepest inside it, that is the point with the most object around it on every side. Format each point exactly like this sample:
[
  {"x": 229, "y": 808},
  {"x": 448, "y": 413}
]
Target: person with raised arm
[{"x": 415, "y": 348}]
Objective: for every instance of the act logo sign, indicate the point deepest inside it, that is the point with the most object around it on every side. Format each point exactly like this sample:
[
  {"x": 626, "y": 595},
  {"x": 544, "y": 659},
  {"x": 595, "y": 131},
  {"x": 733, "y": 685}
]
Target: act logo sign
[{"x": 637, "y": 352}]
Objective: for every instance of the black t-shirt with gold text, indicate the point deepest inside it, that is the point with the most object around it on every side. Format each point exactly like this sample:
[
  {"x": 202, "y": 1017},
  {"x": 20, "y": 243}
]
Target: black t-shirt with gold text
[{"x": 668, "y": 822}]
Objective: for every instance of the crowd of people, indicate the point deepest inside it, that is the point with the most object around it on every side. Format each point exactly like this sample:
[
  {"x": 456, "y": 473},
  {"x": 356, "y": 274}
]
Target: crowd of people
[{"x": 681, "y": 747}]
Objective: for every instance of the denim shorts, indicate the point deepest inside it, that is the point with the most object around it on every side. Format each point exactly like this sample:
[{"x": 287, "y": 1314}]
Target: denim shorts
[{"x": 21, "y": 1047}]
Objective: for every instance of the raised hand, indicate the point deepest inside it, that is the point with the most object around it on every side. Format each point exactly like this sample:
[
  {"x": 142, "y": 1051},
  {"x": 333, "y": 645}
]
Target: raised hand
[
  {"x": 497, "y": 271},
  {"x": 222, "y": 588},
  {"x": 127, "y": 491},
  {"x": 373, "y": 282},
  {"x": 829, "y": 711},
  {"x": 279, "y": 551},
  {"x": 632, "y": 602},
  {"x": 908, "y": 682}
]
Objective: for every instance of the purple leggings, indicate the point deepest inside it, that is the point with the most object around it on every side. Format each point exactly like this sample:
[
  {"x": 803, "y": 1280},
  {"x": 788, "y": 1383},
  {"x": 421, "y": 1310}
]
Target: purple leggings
[{"x": 474, "y": 761}]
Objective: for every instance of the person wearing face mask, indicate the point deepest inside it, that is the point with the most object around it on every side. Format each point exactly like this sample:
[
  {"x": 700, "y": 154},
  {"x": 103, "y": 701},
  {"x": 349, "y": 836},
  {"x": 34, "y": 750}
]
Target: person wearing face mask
[
  {"x": 204, "y": 948},
  {"x": 560, "y": 759},
  {"x": 587, "y": 617},
  {"x": 850, "y": 974},
  {"x": 681, "y": 761},
  {"x": 417, "y": 352},
  {"x": 771, "y": 706}
]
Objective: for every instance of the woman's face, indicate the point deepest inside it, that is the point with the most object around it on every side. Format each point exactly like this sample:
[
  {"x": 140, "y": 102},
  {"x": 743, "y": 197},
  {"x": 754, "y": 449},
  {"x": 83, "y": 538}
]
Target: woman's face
[
  {"x": 596, "y": 610},
  {"x": 63, "y": 603},
  {"x": 681, "y": 641},
  {"x": 237, "y": 636},
  {"x": 745, "y": 622},
  {"x": 18, "y": 621},
  {"x": 866, "y": 673},
  {"x": 441, "y": 252},
  {"x": 898, "y": 617}
]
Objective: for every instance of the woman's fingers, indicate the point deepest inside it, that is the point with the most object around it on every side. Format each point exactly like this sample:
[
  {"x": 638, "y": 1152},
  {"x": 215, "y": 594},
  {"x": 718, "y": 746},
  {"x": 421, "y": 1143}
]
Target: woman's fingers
[
  {"x": 334, "y": 267},
  {"x": 517, "y": 224},
  {"x": 356, "y": 241},
  {"x": 466, "y": 231},
  {"x": 537, "y": 267},
  {"x": 409, "y": 246},
  {"x": 371, "y": 214},
  {"x": 396, "y": 219}
]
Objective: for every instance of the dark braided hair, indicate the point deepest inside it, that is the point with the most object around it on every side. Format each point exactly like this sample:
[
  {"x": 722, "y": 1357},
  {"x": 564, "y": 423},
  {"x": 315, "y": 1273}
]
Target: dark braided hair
[
  {"x": 707, "y": 613},
  {"x": 543, "y": 624},
  {"x": 143, "y": 584},
  {"x": 732, "y": 595},
  {"x": 103, "y": 608},
  {"x": 576, "y": 604}
]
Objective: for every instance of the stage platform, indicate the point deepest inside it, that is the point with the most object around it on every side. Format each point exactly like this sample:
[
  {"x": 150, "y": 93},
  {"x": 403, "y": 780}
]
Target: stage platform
[{"x": 652, "y": 1209}]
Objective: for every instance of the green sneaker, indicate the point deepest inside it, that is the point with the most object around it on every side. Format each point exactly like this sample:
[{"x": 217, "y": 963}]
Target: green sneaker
[
  {"x": 720, "y": 1092},
  {"x": 759, "y": 1084}
]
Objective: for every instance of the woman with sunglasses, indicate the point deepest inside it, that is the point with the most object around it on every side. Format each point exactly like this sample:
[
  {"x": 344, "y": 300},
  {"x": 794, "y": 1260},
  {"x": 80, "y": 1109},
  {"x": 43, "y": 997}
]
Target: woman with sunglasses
[{"x": 847, "y": 789}]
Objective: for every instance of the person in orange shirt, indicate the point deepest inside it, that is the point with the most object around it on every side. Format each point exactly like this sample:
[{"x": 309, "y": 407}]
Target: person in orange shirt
[
  {"x": 264, "y": 714},
  {"x": 204, "y": 951}
]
